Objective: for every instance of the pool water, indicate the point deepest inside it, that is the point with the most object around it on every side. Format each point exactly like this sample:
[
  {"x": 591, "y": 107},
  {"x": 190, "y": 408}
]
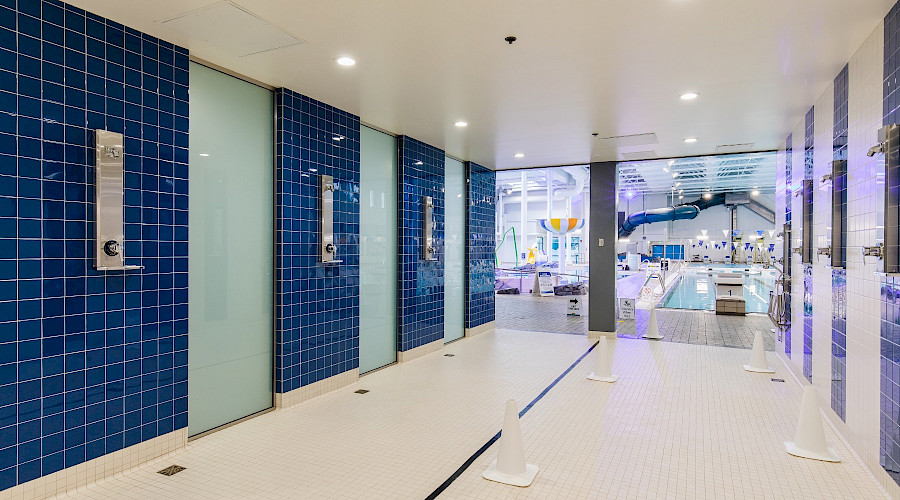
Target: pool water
[{"x": 698, "y": 291}]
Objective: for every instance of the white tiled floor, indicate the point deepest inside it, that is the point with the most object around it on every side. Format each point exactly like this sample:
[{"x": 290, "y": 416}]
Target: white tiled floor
[{"x": 683, "y": 421}]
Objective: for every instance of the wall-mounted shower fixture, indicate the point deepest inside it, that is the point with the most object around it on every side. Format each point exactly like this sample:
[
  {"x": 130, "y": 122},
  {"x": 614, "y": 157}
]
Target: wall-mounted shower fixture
[
  {"x": 823, "y": 251},
  {"x": 807, "y": 234},
  {"x": 839, "y": 213},
  {"x": 889, "y": 137},
  {"x": 109, "y": 192},
  {"x": 428, "y": 252},
  {"x": 876, "y": 251},
  {"x": 327, "y": 247}
]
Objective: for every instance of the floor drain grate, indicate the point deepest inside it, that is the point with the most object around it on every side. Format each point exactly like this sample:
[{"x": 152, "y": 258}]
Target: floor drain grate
[
  {"x": 171, "y": 470},
  {"x": 361, "y": 391},
  {"x": 777, "y": 380},
  {"x": 449, "y": 355}
]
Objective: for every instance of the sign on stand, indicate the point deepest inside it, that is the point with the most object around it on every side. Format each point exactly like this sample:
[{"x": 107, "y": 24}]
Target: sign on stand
[
  {"x": 575, "y": 306},
  {"x": 626, "y": 308},
  {"x": 545, "y": 283}
]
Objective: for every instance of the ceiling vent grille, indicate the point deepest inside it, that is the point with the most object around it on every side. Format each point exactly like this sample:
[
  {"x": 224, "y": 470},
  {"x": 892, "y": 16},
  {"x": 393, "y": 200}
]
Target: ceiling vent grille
[
  {"x": 638, "y": 155},
  {"x": 735, "y": 148},
  {"x": 621, "y": 141},
  {"x": 232, "y": 28}
]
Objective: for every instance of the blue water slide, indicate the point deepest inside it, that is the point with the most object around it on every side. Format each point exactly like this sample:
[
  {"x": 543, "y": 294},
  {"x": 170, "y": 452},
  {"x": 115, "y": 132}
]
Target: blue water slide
[
  {"x": 657, "y": 215},
  {"x": 680, "y": 212}
]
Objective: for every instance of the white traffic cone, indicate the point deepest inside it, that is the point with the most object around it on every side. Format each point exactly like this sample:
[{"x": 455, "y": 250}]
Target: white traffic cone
[
  {"x": 510, "y": 466},
  {"x": 652, "y": 332},
  {"x": 809, "y": 442},
  {"x": 603, "y": 368},
  {"x": 758, "y": 363}
]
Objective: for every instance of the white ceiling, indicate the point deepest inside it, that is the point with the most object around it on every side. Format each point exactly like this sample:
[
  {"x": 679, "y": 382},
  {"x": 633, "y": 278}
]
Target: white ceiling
[{"x": 612, "y": 67}]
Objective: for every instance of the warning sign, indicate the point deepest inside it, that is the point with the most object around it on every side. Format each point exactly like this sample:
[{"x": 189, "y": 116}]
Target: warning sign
[
  {"x": 626, "y": 308},
  {"x": 575, "y": 306}
]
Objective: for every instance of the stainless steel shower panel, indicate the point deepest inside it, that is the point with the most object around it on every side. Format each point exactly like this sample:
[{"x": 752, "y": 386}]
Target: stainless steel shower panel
[
  {"x": 889, "y": 137},
  {"x": 428, "y": 252},
  {"x": 328, "y": 248},
  {"x": 109, "y": 192}
]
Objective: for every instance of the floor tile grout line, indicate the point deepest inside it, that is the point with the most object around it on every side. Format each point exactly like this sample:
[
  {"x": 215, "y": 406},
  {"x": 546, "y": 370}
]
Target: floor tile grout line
[
  {"x": 800, "y": 382},
  {"x": 440, "y": 489}
]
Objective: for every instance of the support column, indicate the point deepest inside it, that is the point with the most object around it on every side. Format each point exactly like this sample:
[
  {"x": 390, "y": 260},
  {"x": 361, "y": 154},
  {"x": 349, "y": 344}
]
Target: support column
[{"x": 602, "y": 258}]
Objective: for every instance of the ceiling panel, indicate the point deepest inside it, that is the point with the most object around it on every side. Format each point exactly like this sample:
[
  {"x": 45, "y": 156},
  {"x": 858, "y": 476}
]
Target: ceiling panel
[{"x": 611, "y": 68}]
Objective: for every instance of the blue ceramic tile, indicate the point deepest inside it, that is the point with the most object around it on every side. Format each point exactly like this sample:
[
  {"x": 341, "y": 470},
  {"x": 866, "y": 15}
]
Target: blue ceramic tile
[
  {"x": 317, "y": 305},
  {"x": 788, "y": 195},
  {"x": 890, "y": 288},
  {"x": 59, "y": 94},
  {"x": 480, "y": 235},
  {"x": 421, "y": 292}
]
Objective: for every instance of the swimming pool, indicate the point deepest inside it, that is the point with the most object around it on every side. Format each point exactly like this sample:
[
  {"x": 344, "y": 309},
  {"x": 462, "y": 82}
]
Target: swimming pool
[{"x": 696, "y": 290}]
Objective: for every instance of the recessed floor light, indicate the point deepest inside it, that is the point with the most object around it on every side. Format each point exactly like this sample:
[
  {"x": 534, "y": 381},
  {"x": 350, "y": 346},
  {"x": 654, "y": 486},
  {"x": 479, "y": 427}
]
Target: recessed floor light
[
  {"x": 461, "y": 124},
  {"x": 691, "y": 140},
  {"x": 346, "y": 61},
  {"x": 689, "y": 96},
  {"x": 519, "y": 155}
]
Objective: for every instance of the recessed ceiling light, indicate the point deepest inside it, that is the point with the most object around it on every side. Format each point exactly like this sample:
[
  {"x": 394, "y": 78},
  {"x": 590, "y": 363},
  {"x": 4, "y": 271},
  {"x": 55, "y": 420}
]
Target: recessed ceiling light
[
  {"x": 346, "y": 61},
  {"x": 691, "y": 140},
  {"x": 461, "y": 124},
  {"x": 519, "y": 155},
  {"x": 707, "y": 196},
  {"x": 204, "y": 154},
  {"x": 755, "y": 192},
  {"x": 689, "y": 96}
]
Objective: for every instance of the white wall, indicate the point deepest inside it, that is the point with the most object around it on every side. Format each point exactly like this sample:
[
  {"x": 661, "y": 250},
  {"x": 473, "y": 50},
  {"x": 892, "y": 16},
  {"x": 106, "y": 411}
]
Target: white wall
[
  {"x": 510, "y": 207},
  {"x": 862, "y": 408}
]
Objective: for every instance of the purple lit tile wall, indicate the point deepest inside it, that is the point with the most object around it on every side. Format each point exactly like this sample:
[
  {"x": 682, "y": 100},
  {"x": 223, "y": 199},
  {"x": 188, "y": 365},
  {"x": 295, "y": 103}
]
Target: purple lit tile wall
[
  {"x": 839, "y": 245},
  {"x": 788, "y": 197},
  {"x": 890, "y": 290},
  {"x": 808, "y": 155}
]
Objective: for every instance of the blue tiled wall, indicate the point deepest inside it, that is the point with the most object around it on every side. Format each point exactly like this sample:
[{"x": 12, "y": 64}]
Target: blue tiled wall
[
  {"x": 90, "y": 362},
  {"x": 480, "y": 235},
  {"x": 421, "y": 294},
  {"x": 788, "y": 197},
  {"x": 890, "y": 375},
  {"x": 890, "y": 289},
  {"x": 839, "y": 341},
  {"x": 808, "y": 165},
  {"x": 317, "y": 305},
  {"x": 839, "y": 276}
]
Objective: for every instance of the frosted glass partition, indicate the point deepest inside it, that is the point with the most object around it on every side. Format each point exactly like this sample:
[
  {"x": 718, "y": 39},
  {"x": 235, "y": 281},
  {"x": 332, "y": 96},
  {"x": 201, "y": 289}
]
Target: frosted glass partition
[
  {"x": 231, "y": 249},
  {"x": 454, "y": 249},
  {"x": 377, "y": 250}
]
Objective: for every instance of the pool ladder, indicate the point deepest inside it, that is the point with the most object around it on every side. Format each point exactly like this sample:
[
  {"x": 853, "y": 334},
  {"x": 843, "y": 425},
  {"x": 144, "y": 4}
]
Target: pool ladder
[{"x": 777, "y": 312}]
